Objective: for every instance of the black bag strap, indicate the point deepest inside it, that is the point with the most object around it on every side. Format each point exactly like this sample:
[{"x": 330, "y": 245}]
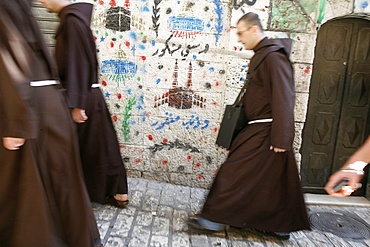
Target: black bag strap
[{"x": 246, "y": 82}]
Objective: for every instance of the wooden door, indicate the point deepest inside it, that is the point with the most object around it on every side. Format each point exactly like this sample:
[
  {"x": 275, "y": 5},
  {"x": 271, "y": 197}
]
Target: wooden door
[{"x": 338, "y": 119}]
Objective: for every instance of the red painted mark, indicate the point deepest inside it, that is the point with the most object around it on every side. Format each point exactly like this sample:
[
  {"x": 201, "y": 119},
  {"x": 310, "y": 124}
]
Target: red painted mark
[
  {"x": 217, "y": 84},
  {"x": 189, "y": 157},
  {"x": 111, "y": 44},
  {"x": 104, "y": 83},
  {"x": 127, "y": 44},
  {"x": 198, "y": 164},
  {"x": 115, "y": 118},
  {"x": 200, "y": 176},
  {"x": 112, "y": 3},
  {"x": 150, "y": 137},
  {"x": 138, "y": 160},
  {"x": 95, "y": 38},
  {"x": 165, "y": 140},
  {"x": 215, "y": 103},
  {"x": 143, "y": 58},
  {"x": 307, "y": 70},
  {"x": 119, "y": 96},
  {"x": 235, "y": 48},
  {"x": 215, "y": 129},
  {"x": 127, "y": 3},
  {"x": 101, "y": 2},
  {"x": 165, "y": 162}
]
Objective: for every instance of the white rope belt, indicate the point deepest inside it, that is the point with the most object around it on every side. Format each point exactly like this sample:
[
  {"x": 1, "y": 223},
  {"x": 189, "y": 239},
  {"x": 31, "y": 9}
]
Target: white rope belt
[
  {"x": 266, "y": 120},
  {"x": 43, "y": 83},
  {"x": 95, "y": 85}
]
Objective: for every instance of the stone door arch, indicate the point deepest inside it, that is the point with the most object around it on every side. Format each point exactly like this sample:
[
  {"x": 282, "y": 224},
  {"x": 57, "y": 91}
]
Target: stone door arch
[{"x": 338, "y": 116}]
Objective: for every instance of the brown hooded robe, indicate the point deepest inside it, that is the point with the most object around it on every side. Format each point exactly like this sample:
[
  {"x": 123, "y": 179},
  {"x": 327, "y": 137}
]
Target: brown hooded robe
[
  {"x": 104, "y": 171},
  {"x": 43, "y": 199},
  {"x": 256, "y": 187}
]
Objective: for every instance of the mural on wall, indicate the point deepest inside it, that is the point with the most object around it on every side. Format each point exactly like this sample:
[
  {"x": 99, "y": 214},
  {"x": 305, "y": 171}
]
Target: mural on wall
[
  {"x": 167, "y": 69},
  {"x": 181, "y": 97}
]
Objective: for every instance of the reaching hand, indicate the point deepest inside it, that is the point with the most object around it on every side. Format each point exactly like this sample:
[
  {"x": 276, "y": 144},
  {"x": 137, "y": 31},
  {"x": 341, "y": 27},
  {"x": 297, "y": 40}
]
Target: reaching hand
[
  {"x": 13, "y": 143},
  {"x": 79, "y": 115},
  {"x": 354, "y": 179}
]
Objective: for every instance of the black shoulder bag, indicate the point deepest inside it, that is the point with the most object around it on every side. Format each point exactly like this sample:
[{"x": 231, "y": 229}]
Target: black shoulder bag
[{"x": 234, "y": 119}]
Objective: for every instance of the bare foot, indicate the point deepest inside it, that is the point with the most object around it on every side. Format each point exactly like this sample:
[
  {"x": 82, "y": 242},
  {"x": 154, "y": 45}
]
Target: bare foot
[{"x": 121, "y": 197}]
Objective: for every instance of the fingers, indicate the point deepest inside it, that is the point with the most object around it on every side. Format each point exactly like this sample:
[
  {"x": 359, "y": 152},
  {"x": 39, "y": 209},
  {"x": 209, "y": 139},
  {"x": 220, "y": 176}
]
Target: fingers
[
  {"x": 12, "y": 143},
  {"x": 277, "y": 150},
  {"x": 79, "y": 115}
]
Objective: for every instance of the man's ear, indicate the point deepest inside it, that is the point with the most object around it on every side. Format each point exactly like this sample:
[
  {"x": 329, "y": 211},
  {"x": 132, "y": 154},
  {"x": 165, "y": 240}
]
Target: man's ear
[{"x": 254, "y": 29}]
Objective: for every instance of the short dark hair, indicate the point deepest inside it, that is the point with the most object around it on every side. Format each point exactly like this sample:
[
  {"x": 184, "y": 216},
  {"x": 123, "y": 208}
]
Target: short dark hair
[{"x": 252, "y": 19}]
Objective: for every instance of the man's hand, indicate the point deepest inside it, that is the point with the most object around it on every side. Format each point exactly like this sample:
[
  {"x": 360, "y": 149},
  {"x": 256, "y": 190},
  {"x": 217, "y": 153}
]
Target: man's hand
[
  {"x": 353, "y": 183},
  {"x": 13, "y": 143},
  {"x": 277, "y": 150},
  {"x": 79, "y": 115}
]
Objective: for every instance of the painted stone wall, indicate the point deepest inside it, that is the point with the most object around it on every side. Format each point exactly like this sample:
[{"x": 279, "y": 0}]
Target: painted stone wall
[{"x": 168, "y": 68}]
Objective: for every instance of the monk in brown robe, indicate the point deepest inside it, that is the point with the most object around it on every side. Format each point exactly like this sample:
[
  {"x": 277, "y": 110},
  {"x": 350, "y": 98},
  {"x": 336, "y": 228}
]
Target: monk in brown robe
[
  {"x": 104, "y": 171},
  {"x": 43, "y": 198},
  {"x": 258, "y": 185}
]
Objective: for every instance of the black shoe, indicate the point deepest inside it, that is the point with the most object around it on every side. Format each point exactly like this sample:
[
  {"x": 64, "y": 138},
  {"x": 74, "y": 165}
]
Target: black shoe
[
  {"x": 278, "y": 235},
  {"x": 195, "y": 226}
]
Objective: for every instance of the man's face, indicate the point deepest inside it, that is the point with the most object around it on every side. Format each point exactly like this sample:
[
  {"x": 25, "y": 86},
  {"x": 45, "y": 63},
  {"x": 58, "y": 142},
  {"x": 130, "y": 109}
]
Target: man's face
[{"x": 246, "y": 35}]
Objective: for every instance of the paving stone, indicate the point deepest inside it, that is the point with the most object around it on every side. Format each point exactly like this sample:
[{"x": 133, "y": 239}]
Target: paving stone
[
  {"x": 180, "y": 219},
  {"x": 140, "y": 236},
  {"x": 180, "y": 240},
  {"x": 161, "y": 226},
  {"x": 159, "y": 241},
  {"x": 199, "y": 240},
  {"x": 165, "y": 211},
  {"x": 122, "y": 225},
  {"x": 115, "y": 242},
  {"x": 144, "y": 218}
]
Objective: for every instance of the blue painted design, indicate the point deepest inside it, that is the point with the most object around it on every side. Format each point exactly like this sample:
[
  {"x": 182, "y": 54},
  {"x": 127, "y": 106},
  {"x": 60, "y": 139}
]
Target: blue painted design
[
  {"x": 158, "y": 81},
  {"x": 169, "y": 120},
  {"x": 133, "y": 49},
  {"x": 141, "y": 46},
  {"x": 133, "y": 36},
  {"x": 185, "y": 23},
  {"x": 107, "y": 94},
  {"x": 143, "y": 117},
  {"x": 211, "y": 69},
  {"x": 218, "y": 26},
  {"x": 141, "y": 99},
  {"x": 152, "y": 42},
  {"x": 195, "y": 57},
  {"x": 145, "y": 9},
  {"x": 193, "y": 123},
  {"x": 102, "y": 39},
  {"x": 364, "y": 4},
  {"x": 118, "y": 67},
  {"x": 129, "y": 91}
]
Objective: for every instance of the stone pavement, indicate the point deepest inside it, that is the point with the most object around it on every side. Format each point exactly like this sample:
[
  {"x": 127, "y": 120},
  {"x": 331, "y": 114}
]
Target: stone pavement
[{"x": 157, "y": 215}]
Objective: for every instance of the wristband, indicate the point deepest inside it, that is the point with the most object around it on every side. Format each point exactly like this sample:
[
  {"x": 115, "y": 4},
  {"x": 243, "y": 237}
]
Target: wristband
[
  {"x": 357, "y": 165},
  {"x": 358, "y": 172}
]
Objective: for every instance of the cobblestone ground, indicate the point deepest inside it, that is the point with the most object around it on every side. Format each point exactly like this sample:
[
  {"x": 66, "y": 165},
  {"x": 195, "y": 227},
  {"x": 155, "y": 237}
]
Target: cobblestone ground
[{"x": 157, "y": 215}]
